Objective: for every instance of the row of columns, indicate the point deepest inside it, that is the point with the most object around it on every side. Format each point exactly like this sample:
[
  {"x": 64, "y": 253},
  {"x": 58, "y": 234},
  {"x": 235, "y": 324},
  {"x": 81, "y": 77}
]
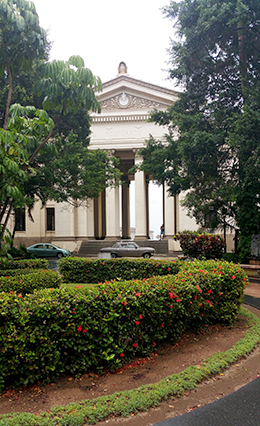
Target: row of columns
[{"x": 101, "y": 218}]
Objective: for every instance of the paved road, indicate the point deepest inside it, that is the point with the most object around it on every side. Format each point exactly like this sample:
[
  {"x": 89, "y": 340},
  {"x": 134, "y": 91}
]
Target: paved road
[{"x": 241, "y": 408}]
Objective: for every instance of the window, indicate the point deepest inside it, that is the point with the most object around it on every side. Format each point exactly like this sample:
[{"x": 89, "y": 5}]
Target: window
[
  {"x": 50, "y": 219},
  {"x": 20, "y": 220}
]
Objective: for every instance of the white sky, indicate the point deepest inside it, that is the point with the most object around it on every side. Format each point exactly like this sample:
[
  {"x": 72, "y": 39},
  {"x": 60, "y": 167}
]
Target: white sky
[{"x": 106, "y": 32}]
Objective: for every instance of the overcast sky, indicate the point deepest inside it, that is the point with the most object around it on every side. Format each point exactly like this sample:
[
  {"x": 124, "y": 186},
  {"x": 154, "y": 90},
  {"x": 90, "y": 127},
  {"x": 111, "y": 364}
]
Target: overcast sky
[{"x": 106, "y": 32}]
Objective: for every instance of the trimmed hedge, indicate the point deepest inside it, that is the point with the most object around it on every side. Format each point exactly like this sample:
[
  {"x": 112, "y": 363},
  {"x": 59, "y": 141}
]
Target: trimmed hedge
[
  {"x": 25, "y": 263},
  {"x": 51, "y": 332},
  {"x": 15, "y": 272},
  {"x": 29, "y": 282},
  {"x": 81, "y": 270},
  {"x": 201, "y": 245}
]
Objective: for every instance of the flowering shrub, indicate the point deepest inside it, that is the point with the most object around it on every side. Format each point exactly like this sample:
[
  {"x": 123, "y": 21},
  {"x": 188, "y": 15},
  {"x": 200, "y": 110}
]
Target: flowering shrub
[
  {"x": 81, "y": 270},
  {"x": 26, "y": 263},
  {"x": 50, "y": 332},
  {"x": 30, "y": 282},
  {"x": 197, "y": 245}
]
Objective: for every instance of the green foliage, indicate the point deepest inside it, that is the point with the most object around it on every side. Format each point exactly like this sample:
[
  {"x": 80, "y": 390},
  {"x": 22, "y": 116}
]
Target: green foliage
[
  {"x": 25, "y": 264},
  {"x": 5, "y": 245},
  {"x": 50, "y": 332},
  {"x": 28, "y": 282},
  {"x": 137, "y": 400},
  {"x": 81, "y": 270},
  {"x": 201, "y": 245},
  {"x": 216, "y": 119}
]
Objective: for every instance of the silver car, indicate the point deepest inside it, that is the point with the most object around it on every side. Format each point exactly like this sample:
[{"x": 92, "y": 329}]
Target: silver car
[{"x": 128, "y": 249}]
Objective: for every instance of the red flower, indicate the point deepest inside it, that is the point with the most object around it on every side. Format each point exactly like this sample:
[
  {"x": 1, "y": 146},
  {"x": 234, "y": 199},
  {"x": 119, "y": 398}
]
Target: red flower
[
  {"x": 79, "y": 328},
  {"x": 171, "y": 295},
  {"x": 154, "y": 343},
  {"x": 157, "y": 264},
  {"x": 134, "y": 345},
  {"x": 20, "y": 296},
  {"x": 244, "y": 279},
  {"x": 162, "y": 325},
  {"x": 209, "y": 291},
  {"x": 137, "y": 294},
  {"x": 233, "y": 278},
  {"x": 122, "y": 355},
  {"x": 84, "y": 330},
  {"x": 140, "y": 316},
  {"x": 195, "y": 297},
  {"x": 198, "y": 288},
  {"x": 103, "y": 263},
  {"x": 86, "y": 271},
  {"x": 137, "y": 322},
  {"x": 178, "y": 300},
  {"x": 171, "y": 306}
]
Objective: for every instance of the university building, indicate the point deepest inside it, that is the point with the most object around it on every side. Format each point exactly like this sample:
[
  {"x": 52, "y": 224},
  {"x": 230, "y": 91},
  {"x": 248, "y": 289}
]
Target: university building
[{"x": 121, "y": 129}]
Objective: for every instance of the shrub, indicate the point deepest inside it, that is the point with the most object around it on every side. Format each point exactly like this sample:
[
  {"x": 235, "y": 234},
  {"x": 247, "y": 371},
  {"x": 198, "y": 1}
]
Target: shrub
[
  {"x": 78, "y": 270},
  {"x": 197, "y": 245},
  {"x": 30, "y": 282},
  {"x": 15, "y": 272},
  {"x": 47, "y": 333},
  {"x": 25, "y": 263}
]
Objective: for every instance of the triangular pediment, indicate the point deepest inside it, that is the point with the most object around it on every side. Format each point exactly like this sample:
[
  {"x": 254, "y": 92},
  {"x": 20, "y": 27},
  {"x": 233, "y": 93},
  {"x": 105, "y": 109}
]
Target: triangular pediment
[{"x": 126, "y": 95}]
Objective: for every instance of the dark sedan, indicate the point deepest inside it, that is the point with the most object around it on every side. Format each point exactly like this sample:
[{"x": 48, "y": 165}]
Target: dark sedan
[{"x": 128, "y": 249}]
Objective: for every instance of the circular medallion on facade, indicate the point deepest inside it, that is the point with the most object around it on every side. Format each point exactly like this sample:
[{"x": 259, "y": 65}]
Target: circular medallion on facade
[{"x": 124, "y": 100}]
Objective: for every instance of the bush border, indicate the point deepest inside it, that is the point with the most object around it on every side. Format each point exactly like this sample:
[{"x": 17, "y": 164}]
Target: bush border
[{"x": 140, "y": 399}]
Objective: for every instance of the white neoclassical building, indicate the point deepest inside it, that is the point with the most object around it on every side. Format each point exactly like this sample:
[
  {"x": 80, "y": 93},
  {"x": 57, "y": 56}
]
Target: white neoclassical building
[{"x": 122, "y": 129}]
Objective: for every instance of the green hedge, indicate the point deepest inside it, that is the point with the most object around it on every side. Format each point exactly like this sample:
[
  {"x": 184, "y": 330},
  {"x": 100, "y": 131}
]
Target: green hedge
[
  {"x": 25, "y": 263},
  {"x": 30, "y": 282},
  {"x": 15, "y": 272},
  {"x": 51, "y": 332},
  {"x": 78, "y": 270}
]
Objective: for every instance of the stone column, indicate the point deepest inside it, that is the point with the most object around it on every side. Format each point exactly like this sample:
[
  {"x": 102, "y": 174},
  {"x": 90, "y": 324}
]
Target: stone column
[
  {"x": 112, "y": 213},
  {"x": 90, "y": 220},
  {"x": 140, "y": 203},
  {"x": 125, "y": 210},
  {"x": 169, "y": 215}
]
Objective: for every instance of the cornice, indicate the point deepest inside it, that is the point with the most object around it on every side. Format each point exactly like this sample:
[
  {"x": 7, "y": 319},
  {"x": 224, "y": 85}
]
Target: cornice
[
  {"x": 119, "y": 118},
  {"x": 141, "y": 83}
]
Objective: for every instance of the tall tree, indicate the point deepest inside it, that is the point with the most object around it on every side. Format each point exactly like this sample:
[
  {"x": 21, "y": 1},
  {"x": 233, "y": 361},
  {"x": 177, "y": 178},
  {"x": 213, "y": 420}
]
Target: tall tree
[
  {"x": 21, "y": 41},
  {"x": 215, "y": 57},
  {"x": 29, "y": 136}
]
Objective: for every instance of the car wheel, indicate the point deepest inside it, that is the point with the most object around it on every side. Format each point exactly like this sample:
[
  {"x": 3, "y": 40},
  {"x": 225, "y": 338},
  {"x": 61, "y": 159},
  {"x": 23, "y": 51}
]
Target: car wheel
[
  {"x": 59, "y": 255},
  {"x": 146, "y": 255},
  {"x": 113, "y": 255}
]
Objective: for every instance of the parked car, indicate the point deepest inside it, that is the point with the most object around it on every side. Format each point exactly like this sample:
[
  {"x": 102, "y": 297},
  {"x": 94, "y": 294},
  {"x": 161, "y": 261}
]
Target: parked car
[
  {"x": 48, "y": 250},
  {"x": 128, "y": 249}
]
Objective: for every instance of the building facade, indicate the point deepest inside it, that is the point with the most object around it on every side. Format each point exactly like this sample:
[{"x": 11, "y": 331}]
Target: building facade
[{"x": 121, "y": 129}]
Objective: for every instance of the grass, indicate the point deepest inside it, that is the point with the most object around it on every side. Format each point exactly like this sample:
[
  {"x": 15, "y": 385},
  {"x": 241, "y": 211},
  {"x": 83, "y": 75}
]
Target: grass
[{"x": 147, "y": 396}]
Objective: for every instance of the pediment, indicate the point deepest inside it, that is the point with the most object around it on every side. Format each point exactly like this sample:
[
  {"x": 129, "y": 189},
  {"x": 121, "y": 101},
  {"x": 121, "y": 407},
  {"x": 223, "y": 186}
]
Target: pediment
[
  {"x": 127, "y": 101},
  {"x": 126, "y": 95}
]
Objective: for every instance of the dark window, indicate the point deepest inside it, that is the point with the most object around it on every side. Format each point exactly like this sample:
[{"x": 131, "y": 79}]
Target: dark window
[
  {"x": 20, "y": 220},
  {"x": 50, "y": 219}
]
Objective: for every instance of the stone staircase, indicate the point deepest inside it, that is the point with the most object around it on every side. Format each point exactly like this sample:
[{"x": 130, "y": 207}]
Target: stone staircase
[{"x": 91, "y": 248}]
